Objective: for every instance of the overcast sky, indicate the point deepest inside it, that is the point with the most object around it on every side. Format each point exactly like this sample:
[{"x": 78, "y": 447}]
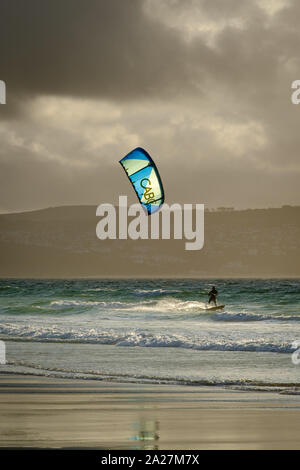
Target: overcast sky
[{"x": 203, "y": 85}]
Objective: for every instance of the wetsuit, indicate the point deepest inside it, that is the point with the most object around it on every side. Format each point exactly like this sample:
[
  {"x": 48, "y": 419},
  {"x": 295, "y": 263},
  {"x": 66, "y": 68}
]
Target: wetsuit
[{"x": 213, "y": 296}]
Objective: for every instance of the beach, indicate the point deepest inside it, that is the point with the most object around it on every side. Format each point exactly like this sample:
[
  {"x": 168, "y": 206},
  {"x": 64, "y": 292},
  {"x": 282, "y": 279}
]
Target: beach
[
  {"x": 141, "y": 364},
  {"x": 41, "y": 412}
]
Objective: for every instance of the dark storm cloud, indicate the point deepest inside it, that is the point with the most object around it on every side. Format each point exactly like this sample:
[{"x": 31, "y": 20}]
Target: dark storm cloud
[
  {"x": 114, "y": 49},
  {"x": 94, "y": 48},
  {"x": 117, "y": 50},
  {"x": 208, "y": 80}
]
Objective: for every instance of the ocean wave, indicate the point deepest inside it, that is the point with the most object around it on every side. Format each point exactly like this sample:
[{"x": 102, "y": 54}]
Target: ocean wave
[
  {"x": 170, "y": 305},
  {"x": 248, "y": 317},
  {"x": 162, "y": 305},
  {"x": 155, "y": 292},
  {"x": 130, "y": 338},
  {"x": 101, "y": 289},
  {"x": 87, "y": 303}
]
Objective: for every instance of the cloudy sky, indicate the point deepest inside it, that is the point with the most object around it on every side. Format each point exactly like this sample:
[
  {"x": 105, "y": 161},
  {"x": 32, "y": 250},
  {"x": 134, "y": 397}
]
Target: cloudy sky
[{"x": 203, "y": 85}]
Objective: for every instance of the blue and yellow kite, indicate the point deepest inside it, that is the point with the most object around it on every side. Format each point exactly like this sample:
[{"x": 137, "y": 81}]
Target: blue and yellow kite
[{"x": 144, "y": 176}]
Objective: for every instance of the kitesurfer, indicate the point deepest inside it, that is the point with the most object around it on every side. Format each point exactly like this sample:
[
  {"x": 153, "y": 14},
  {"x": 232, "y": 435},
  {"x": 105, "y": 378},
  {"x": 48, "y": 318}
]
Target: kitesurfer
[{"x": 213, "y": 296}]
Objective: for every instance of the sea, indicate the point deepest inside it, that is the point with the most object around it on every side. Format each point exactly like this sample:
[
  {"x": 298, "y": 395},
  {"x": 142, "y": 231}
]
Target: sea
[{"x": 154, "y": 331}]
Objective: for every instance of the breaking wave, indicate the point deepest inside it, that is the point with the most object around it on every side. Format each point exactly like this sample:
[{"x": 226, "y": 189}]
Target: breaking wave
[{"x": 142, "y": 339}]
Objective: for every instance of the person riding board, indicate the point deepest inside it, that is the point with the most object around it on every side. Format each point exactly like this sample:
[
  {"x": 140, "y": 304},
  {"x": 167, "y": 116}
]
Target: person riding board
[{"x": 213, "y": 296}]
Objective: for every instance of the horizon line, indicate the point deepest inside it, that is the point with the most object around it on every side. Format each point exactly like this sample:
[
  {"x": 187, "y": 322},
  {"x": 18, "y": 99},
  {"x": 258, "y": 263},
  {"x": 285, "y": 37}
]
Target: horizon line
[{"x": 207, "y": 209}]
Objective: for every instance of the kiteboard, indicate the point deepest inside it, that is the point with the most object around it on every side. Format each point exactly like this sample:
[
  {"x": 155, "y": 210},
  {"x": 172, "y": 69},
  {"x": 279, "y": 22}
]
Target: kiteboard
[{"x": 218, "y": 307}]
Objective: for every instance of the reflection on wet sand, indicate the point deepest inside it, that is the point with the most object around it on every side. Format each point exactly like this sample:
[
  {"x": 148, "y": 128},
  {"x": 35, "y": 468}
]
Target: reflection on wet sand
[
  {"x": 44, "y": 412},
  {"x": 146, "y": 434}
]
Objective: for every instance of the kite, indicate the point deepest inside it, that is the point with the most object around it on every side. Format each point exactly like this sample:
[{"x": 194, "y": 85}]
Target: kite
[{"x": 144, "y": 176}]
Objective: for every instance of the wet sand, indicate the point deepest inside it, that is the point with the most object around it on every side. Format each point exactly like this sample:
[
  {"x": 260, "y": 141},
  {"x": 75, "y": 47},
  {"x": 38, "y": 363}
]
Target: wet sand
[{"x": 45, "y": 412}]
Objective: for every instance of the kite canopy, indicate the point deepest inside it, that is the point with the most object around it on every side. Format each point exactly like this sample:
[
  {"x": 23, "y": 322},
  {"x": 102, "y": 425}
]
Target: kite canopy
[{"x": 144, "y": 176}]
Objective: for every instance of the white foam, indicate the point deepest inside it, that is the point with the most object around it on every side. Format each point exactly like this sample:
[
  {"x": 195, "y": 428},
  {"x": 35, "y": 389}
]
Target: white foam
[
  {"x": 154, "y": 292},
  {"x": 86, "y": 303},
  {"x": 171, "y": 305},
  {"x": 135, "y": 337}
]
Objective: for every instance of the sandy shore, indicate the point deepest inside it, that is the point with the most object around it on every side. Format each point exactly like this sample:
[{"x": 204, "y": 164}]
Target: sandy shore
[{"x": 60, "y": 413}]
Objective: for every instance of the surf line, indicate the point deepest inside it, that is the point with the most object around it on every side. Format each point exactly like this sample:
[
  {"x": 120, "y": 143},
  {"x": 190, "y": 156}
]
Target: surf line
[{"x": 132, "y": 222}]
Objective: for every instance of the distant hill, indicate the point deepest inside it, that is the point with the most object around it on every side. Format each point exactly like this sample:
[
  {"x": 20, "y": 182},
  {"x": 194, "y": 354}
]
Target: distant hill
[{"x": 61, "y": 242}]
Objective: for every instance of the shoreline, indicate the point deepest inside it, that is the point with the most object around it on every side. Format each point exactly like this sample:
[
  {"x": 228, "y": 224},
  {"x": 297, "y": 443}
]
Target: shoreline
[
  {"x": 264, "y": 387},
  {"x": 44, "y": 412}
]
